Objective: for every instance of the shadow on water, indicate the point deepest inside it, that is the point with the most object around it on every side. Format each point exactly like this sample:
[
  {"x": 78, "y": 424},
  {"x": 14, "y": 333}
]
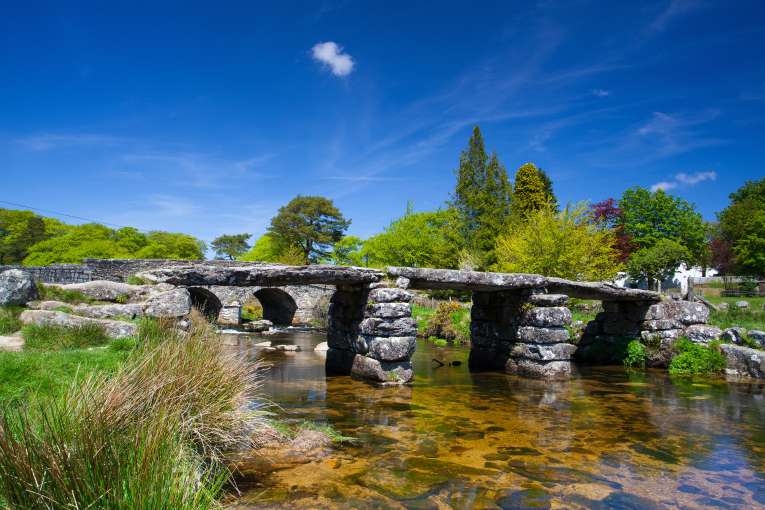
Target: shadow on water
[{"x": 454, "y": 439}]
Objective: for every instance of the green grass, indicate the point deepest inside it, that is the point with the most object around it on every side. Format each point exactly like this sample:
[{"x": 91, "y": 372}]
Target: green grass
[
  {"x": 636, "y": 354},
  {"x": 57, "y": 338},
  {"x": 137, "y": 280},
  {"x": 754, "y": 302},
  {"x": 9, "y": 319},
  {"x": 52, "y": 293},
  {"x": 693, "y": 359},
  {"x": 746, "y": 318}
]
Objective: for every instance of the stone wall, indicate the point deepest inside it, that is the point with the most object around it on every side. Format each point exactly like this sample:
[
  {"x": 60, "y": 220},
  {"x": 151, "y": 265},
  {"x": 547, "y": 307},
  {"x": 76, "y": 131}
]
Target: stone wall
[{"x": 57, "y": 273}]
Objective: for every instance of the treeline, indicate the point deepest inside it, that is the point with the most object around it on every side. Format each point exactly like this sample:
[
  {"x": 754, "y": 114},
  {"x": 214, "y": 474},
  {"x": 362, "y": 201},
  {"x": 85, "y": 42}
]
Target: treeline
[{"x": 29, "y": 239}]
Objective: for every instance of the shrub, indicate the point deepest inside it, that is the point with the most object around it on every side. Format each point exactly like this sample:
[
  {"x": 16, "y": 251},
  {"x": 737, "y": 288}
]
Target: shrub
[
  {"x": 636, "y": 354},
  {"x": 9, "y": 319},
  {"x": 438, "y": 342},
  {"x": 49, "y": 337},
  {"x": 55, "y": 293},
  {"x": 252, "y": 311},
  {"x": 694, "y": 358},
  {"x": 449, "y": 321},
  {"x": 151, "y": 436}
]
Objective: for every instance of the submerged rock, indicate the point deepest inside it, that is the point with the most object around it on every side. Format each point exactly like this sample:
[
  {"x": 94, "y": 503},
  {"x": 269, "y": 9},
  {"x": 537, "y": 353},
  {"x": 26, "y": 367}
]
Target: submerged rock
[
  {"x": 112, "y": 328},
  {"x": 16, "y": 287},
  {"x": 258, "y": 326}
]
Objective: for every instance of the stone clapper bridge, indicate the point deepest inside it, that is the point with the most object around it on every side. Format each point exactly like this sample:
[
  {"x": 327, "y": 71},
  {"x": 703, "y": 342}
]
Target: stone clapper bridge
[{"x": 518, "y": 321}]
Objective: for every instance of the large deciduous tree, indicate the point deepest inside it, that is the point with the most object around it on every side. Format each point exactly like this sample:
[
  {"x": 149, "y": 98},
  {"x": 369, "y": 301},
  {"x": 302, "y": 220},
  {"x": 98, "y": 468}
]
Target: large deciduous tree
[
  {"x": 231, "y": 246},
  {"x": 310, "y": 223},
  {"x": 742, "y": 228},
  {"x": 649, "y": 217},
  {"x": 481, "y": 197},
  {"x": 19, "y": 230},
  {"x": 566, "y": 244},
  {"x": 607, "y": 215}
]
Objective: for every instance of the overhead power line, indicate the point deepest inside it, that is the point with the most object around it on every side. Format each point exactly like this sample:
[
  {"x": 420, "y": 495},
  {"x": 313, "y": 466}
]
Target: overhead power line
[{"x": 58, "y": 213}]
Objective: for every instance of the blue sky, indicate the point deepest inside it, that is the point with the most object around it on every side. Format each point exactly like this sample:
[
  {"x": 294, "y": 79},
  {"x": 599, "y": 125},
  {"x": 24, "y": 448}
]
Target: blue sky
[{"x": 205, "y": 118}]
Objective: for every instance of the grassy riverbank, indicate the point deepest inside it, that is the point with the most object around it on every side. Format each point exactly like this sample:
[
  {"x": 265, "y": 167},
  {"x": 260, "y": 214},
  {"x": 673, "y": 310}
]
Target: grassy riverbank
[{"x": 151, "y": 418}]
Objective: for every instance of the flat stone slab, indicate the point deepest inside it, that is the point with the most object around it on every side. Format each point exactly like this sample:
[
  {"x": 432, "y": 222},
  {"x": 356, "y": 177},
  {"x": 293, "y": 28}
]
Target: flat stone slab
[
  {"x": 112, "y": 328},
  {"x": 267, "y": 275},
  {"x": 11, "y": 343},
  {"x": 426, "y": 278}
]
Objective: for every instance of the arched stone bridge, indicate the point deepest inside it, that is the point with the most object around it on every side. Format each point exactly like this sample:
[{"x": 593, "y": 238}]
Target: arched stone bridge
[{"x": 518, "y": 321}]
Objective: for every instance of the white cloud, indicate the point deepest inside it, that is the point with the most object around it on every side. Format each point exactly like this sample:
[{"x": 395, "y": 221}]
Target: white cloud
[
  {"x": 683, "y": 179},
  {"x": 331, "y": 54},
  {"x": 600, "y": 92},
  {"x": 674, "y": 9}
]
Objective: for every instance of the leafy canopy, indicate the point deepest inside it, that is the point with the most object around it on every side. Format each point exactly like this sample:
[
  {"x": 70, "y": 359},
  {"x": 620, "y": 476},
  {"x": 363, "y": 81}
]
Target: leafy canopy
[
  {"x": 658, "y": 262},
  {"x": 347, "y": 252},
  {"x": 311, "y": 224},
  {"x": 530, "y": 193},
  {"x": 19, "y": 230},
  {"x": 742, "y": 227},
  {"x": 566, "y": 244},
  {"x": 231, "y": 245}
]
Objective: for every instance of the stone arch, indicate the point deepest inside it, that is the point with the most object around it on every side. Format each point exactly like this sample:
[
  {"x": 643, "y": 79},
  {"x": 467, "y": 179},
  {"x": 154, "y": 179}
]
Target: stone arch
[
  {"x": 206, "y": 302},
  {"x": 278, "y": 306}
]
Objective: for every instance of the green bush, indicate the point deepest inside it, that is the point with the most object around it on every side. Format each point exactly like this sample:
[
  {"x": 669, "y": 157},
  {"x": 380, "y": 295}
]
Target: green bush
[
  {"x": 56, "y": 338},
  {"x": 694, "y": 358},
  {"x": 438, "y": 342},
  {"x": 9, "y": 319},
  {"x": 636, "y": 354},
  {"x": 54, "y": 293},
  {"x": 252, "y": 311},
  {"x": 450, "y": 321}
]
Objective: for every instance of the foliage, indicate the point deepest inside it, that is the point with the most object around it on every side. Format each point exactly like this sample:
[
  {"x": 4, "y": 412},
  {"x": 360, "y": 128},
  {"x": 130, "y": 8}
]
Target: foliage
[
  {"x": 548, "y": 186},
  {"x": 565, "y": 244},
  {"x": 658, "y": 262},
  {"x": 424, "y": 239},
  {"x": 19, "y": 230},
  {"x": 48, "y": 337},
  {"x": 311, "y": 223},
  {"x": 694, "y": 358},
  {"x": 648, "y": 217},
  {"x": 56, "y": 293},
  {"x": 155, "y": 430},
  {"x": 231, "y": 245},
  {"x": 265, "y": 249},
  {"x": 73, "y": 243},
  {"x": 636, "y": 354},
  {"x": 530, "y": 192},
  {"x": 607, "y": 215},
  {"x": 449, "y": 320},
  {"x": 749, "y": 318},
  {"x": 347, "y": 252},
  {"x": 9, "y": 319},
  {"x": 252, "y": 311},
  {"x": 137, "y": 280},
  {"x": 604, "y": 352},
  {"x": 481, "y": 196},
  {"x": 438, "y": 342},
  {"x": 742, "y": 228}
]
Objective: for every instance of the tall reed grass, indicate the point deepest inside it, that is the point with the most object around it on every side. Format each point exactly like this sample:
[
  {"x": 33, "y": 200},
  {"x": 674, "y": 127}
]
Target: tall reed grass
[{"x": 151, "y": 436}]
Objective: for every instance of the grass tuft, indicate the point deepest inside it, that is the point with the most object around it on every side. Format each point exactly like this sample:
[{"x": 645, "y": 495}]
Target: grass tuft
[
  {"x": 9, "y": 319},
  {"x": 49, "y": 337},
  {"x": 54, "y": 293}
]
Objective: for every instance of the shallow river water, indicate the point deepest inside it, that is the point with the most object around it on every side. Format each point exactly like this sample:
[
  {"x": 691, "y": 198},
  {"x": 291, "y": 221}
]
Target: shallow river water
[{"x": 605, "y": 439}]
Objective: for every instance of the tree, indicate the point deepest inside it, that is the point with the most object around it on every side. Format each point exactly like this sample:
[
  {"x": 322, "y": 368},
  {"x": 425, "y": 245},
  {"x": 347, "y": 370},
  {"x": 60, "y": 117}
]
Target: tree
[
  {"x": 171, "y": 245},
  {"x": 648, "y": 217},
  {"x": 565, "y": 244},
  {"x": 657, "y": 262},
  {"x": 742, "y": 227},
  {"x": 549, "y": 193},
  {"x": 265, "y": 249},
  {"x": 481, "y": 197},
  {"x": 19, "y": 230},
  {"x": 231, "y": 245},
  {"x": 423, "y": 239},
  {"x": 606, "y": 214},
  {"x": 312, "y": 224},
  {"x": 529, "y": 193},
  {"x": 347, "y": 252}
]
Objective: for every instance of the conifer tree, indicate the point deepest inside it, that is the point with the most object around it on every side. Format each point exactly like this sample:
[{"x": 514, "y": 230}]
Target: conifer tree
[{"x": 529, "y": 193}]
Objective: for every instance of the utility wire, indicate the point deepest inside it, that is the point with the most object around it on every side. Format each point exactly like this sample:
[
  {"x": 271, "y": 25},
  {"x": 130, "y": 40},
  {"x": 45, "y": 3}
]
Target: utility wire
[{"x": 48, "y": 211}]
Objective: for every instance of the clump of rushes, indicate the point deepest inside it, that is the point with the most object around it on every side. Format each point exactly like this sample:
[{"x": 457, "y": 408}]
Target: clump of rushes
[
  {"x": 49, "y": 337},
  {"x": 151, "y": 436},
  {"x": 9, "y": 319},
  {"x": 693, "y": 359},
  {"x": 55, "y": 293}
]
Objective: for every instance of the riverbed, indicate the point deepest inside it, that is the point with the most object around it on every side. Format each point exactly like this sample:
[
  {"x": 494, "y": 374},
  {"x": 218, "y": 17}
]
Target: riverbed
[{"x": 608, "y": 438}]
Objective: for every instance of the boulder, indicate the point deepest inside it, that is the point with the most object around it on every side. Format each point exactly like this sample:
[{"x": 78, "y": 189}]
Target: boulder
[
  {"x": 404, "y": 326},
  {"x": 686, "y": 312},
  {"x": 548, "y": 299},
  {"x": 534, "y": 335},
  {"x": 129, "y": 311},
  {"x": 258, "y": 326},
  {"x": 543, "y": 352},
  {"x": 742, "y": 304},
  {"x": 702, "y": 334},
  {"x": 386, "y": 348},
  {"x": 722, "y": 307},
  {"x": 389, "y": 310},
  {"x": 11, "y": 343},
  {"x": 546, "y": 317},
  {"x": 172, "y": 303},
  {"x": 402, "y": 282},
  {"x": 661, "y": 324},
  {"x": 288, "y": 348},
  {"x": 389, "y": 295},
  {"x": 743, "y": 361},
  {"x": 757, "y": 336},
  {"x": 540, "y": 370},
  {"x": 733, "y": 335},
  {"x": 16, "y": 287},
  {"x": 387, "y": 372},
  {"x": 105, "y": 290},
  {"x": 654, "y": 336},
  {"x": 321, "y": 347},
  {"x": 112, "y": 328}
]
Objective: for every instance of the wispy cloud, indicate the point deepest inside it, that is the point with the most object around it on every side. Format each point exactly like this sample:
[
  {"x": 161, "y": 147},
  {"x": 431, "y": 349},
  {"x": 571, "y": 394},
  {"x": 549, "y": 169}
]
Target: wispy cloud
[
  {"x": 600, "y": 92},
  {"x": 674, "y": 9},
  {"x": 331, "y": 54},
  {"x": 47, "y": 142},
  {"x": 685, "y": 180}
]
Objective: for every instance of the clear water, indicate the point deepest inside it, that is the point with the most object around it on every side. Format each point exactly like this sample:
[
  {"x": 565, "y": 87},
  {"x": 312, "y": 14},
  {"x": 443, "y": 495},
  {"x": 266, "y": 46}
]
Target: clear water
[{"x": 606, "y": 439}]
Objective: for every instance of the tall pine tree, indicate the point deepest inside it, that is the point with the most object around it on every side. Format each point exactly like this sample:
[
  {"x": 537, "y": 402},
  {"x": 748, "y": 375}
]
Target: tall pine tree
[
  {"x": 481, "y": 197},
  {"x": 530, "y": 193}
]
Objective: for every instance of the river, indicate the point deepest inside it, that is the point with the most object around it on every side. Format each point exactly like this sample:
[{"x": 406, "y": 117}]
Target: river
[{"x": 608, "y": 438}]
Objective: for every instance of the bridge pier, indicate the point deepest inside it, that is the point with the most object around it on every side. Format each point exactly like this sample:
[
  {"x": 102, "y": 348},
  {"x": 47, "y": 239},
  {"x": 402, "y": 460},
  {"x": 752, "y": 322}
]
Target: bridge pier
[
  {"x": 371, "y": 333},
  {"x": 521, "y": 332}
]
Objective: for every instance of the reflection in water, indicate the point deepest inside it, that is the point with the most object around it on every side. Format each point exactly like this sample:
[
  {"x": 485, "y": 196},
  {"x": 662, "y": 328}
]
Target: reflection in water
[{"x": 605, "y": 439}]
